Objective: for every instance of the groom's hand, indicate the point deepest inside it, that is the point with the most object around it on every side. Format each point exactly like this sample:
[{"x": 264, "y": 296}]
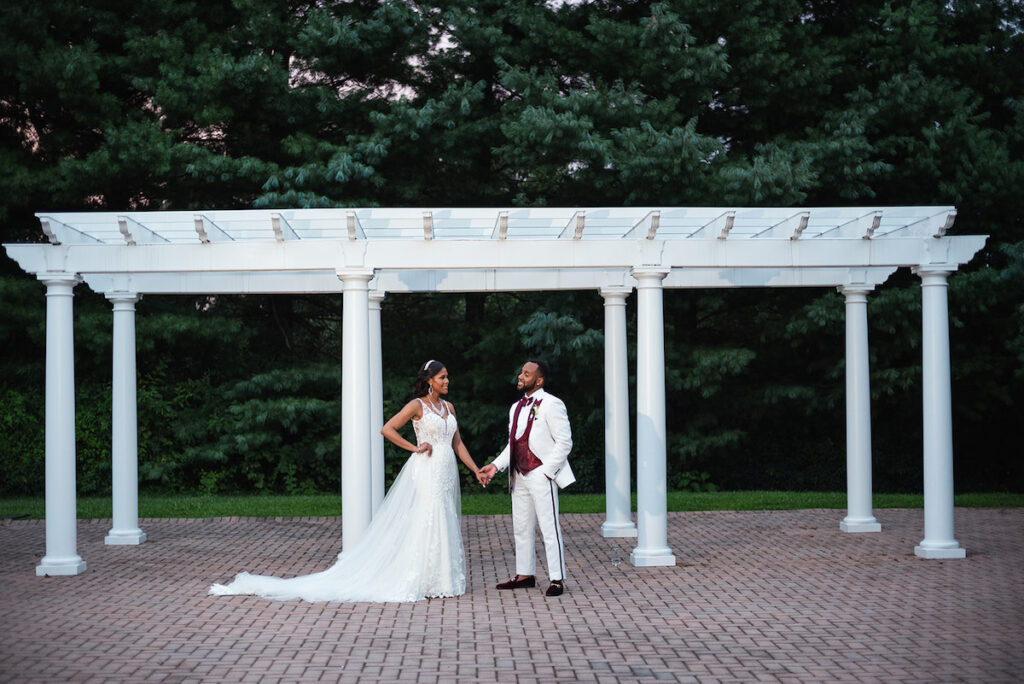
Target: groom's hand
[{"x": 486, "y": 474}]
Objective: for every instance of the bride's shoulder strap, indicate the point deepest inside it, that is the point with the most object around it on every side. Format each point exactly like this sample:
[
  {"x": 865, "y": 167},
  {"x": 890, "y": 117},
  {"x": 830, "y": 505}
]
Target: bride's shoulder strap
[{"x": 419, "y": 405}]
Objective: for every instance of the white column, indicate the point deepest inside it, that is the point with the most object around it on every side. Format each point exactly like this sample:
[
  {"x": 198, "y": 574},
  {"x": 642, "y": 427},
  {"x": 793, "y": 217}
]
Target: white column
[
  {"x": 618, "y": 516},
  {"x": 124, "y": 445},
  {"x": 376, "y": 404},
  {"x": 651, "y": 490},
  {"x": 859, "y": 516},
  {"x": 356, "y": 500},
  {"x": 938, "y": 539},
  {"x": 61, "y": 515}
]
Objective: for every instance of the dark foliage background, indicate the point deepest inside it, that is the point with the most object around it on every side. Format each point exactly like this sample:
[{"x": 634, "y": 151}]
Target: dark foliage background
[{"x": 115, "y": 105}]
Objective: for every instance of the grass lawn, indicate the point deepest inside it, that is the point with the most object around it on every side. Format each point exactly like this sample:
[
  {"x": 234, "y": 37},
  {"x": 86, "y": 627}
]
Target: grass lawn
[{"x": 187, "y": 506}]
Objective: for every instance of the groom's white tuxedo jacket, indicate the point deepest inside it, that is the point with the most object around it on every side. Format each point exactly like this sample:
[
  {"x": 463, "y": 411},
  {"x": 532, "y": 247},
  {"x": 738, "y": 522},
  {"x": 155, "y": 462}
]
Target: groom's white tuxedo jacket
[{"x": 550, "y": 437}]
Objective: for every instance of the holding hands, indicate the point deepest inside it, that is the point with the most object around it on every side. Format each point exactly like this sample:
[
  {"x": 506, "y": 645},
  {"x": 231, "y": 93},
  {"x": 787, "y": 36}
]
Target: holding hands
[{"x": 486, "y": 474}]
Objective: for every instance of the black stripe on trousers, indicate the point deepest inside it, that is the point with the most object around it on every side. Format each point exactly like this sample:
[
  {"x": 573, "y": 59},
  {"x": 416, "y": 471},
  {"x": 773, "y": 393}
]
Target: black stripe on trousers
[{"x": 558, "y": 531}]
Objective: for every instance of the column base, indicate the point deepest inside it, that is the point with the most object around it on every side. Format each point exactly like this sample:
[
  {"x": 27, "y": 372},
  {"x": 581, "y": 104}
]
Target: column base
[
  {"x": 618, "y": 529},
  {"x": 860, "y": 525},
  {"x": 651, "y": 558},
  {"x": 956, "y": 551},
  {"x": 124, "y": 537},
  {"x": 62, "y": 566}
]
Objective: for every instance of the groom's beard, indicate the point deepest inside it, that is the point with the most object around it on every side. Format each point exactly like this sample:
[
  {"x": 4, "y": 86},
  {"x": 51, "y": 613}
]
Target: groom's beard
[{"x": 529, "y": 388}]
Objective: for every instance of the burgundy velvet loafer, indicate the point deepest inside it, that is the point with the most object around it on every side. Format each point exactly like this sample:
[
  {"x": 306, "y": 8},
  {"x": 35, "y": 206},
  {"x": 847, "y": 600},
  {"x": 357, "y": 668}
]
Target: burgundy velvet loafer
[
  {"x": 556, "y": 588},
  {"x": 518, "y": 583}
]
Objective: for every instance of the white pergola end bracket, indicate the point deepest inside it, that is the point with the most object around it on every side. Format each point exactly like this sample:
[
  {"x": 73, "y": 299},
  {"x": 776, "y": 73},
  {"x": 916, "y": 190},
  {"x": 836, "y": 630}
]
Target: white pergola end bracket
[
  {"x": 283, "y": 230},
  {"x": 354, "y": 227},
  {"x": 203, "y": 223},
  {"x": 574, "y": 228},
  {"x": 428, "y": 225},
  {"x": 876, "y": 220},
  {"x": 804, "y": 217},
  {"x": 500, "y": 231},
  {"x": 729, "y": 217},
  {"x": 48, "y": 232},
  {"x": 947, "y": 225},
  {"x": 122, "y": 225},
  {"x": 200, "y": 223}
]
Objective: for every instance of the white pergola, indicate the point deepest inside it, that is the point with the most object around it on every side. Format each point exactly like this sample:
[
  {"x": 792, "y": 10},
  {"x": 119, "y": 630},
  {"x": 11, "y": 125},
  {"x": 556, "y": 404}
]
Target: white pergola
[{"x": 368, "y": 253}]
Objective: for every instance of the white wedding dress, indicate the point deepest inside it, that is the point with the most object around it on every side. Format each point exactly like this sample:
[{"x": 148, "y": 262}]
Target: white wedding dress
[{"x": 413, "y": 546}]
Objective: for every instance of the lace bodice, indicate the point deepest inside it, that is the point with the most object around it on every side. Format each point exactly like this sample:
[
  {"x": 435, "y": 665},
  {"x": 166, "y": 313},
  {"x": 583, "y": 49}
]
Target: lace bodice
[{"x": 436, "y": 429}]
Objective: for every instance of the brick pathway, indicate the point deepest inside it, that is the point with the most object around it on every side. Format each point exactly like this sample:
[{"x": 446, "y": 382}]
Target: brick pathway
[{"x": 756, "y": 596}]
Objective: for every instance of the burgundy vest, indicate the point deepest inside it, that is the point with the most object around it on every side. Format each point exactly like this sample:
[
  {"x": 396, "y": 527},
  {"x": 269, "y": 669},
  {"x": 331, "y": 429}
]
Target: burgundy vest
[{"x": 523, "y": 460}]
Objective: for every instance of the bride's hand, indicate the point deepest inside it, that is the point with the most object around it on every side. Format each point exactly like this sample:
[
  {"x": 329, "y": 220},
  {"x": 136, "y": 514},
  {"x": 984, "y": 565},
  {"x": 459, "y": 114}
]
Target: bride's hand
[
  {"x": 486, "y": 474},
  {"x": 425, "y": 448}
]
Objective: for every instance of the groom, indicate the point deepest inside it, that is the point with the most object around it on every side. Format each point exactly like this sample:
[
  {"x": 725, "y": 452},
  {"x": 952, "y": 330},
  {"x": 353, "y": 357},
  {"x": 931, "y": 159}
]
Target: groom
[{"x": 538, "y": 445}]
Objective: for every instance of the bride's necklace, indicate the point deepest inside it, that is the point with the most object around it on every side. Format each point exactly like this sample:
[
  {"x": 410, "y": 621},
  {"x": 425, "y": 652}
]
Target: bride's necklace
[{"x": 438, "y": 408}]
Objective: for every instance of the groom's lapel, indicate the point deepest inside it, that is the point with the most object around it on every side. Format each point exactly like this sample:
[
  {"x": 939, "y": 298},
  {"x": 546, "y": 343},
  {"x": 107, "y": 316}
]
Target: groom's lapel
[{"x": 541, "y": 406}]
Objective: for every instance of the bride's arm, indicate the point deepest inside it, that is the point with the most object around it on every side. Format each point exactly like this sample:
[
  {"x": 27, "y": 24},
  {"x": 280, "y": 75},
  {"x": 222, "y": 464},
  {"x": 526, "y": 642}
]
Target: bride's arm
[
  {"x": 390, "y": 430},
  {"x": 460, "y": 449}
]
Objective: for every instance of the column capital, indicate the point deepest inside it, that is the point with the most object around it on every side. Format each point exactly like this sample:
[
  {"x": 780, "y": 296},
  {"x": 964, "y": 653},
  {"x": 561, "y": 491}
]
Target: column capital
[
  {"x": 122, "y": 297},
  {"x": 615, "y": 294},
  {"x": 355, "y": 276},
  {"x": 58, "y": 278},
  {"x": 943, "y": 270},
  {"x": 649, "y": 276},
  {"x": 863, "y": 289},
  {"x": 376, "y": 297}
]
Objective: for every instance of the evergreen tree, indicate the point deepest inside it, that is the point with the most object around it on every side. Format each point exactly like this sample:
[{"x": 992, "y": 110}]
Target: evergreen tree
[{"x": 111, "y": 105}]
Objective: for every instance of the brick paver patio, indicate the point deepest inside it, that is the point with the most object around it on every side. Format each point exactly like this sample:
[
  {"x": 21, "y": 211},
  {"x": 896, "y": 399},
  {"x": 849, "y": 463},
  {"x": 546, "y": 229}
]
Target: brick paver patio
[{"x": 756, "y": 596}]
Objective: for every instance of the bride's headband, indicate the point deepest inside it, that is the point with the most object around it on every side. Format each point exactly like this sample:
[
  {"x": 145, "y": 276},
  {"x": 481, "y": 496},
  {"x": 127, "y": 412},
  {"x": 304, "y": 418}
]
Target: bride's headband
[{"x": 427, "y": 364}]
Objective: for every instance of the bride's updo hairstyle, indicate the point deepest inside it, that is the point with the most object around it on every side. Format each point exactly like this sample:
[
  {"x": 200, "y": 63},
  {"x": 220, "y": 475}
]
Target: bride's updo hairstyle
[{"x": 428, "y": 370}]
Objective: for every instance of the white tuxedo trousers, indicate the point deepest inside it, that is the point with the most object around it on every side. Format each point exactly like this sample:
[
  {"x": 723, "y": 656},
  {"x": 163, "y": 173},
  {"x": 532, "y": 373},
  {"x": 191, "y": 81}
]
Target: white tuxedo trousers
[{"x": 535, "y": 504}]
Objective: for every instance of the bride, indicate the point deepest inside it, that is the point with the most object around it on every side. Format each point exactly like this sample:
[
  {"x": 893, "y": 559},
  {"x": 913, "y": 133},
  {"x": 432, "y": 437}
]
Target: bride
[{"x": 412, "y": 548}]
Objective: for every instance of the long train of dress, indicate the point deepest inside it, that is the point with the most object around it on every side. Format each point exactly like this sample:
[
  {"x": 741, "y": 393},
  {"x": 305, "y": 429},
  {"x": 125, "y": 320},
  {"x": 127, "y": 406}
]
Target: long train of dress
[{"x": 412, "y": 548}]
